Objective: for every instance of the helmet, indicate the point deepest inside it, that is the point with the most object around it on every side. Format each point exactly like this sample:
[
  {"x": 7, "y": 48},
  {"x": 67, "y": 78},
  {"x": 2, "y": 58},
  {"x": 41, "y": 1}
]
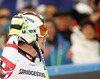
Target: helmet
[{"x": 35, "y": 25}]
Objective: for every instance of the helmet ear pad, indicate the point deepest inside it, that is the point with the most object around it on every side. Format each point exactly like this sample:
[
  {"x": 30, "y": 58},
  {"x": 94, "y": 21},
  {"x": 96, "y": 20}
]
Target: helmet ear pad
[{"x": 25, "y": 41}]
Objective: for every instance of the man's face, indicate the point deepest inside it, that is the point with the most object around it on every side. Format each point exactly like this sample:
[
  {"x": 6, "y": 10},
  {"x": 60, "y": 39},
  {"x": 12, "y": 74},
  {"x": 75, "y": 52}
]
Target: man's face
[
  {"x": 63, "y": 22},
  {"x": 51, "y": 31},
  {"x": 50, "y": 10},
  {"x": 4, "y": 17},
  {"x": 88, "y": 31}
]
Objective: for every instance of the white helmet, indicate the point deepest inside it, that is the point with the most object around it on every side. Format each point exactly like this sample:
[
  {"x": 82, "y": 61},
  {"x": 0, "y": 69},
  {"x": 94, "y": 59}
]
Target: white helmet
[{"x": 35, "y": 25}]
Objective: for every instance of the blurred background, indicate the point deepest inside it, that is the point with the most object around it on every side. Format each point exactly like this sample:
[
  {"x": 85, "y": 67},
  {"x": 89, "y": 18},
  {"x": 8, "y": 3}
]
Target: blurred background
[{"x": 73, "y": 45}]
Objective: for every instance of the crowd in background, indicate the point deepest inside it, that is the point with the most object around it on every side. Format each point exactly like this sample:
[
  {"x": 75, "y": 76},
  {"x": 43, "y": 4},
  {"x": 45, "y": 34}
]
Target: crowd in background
[{"x": 73, "y": 36}]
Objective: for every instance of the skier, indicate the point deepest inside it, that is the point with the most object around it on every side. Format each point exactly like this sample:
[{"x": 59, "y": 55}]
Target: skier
[{"x": 21, "y": 58}]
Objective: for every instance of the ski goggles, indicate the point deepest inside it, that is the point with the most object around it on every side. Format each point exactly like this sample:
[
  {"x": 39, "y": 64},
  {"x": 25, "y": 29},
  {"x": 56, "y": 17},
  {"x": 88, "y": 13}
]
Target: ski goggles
[{"x": 43, "y": 30}]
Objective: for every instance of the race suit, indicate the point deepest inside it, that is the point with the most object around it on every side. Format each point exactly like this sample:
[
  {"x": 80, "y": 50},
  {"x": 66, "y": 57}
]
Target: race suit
[{"x": 17, "y": 64}]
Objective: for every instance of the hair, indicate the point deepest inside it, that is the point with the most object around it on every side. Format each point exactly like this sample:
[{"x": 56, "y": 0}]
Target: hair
[
  {"x": 78, "y": 16},
  {"x": 6, "y": 9},
  {"x": 52, "y": 20},
  {"x": 3, "y": 8},
  {"x": 86, "y": 21},
  {"x": 55, "y": 39},
  {"x": 96, "y": 2}
]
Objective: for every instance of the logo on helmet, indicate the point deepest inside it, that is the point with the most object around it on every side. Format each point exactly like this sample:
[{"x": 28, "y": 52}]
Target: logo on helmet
[
  {"x": 31, "y": 31},
  {"x": 30, "y": 20}
]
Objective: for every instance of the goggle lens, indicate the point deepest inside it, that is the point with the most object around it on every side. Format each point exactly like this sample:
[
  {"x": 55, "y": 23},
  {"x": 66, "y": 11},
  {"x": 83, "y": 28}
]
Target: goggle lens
[{"x": 43, "y": 30}]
